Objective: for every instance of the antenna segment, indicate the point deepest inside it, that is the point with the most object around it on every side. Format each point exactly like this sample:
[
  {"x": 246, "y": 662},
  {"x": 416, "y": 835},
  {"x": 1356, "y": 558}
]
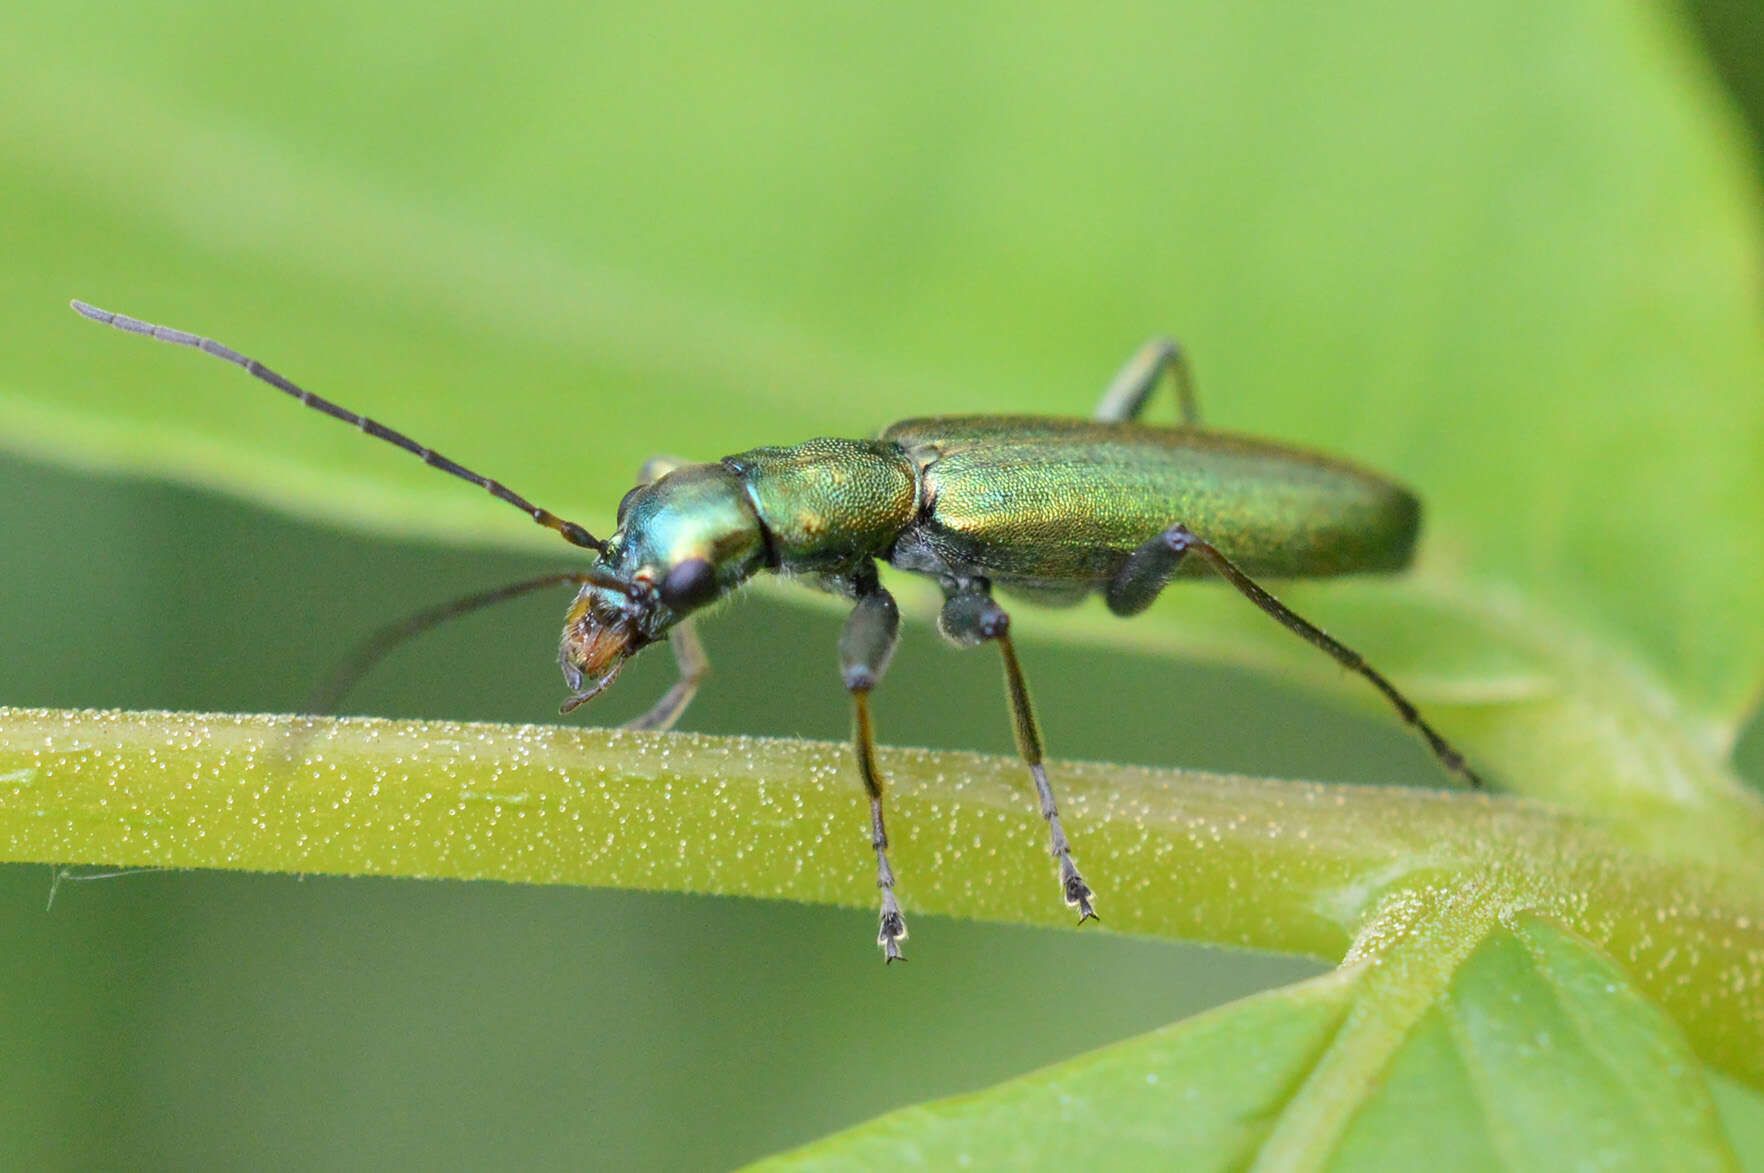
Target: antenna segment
[{"x": 571, "y": 532}]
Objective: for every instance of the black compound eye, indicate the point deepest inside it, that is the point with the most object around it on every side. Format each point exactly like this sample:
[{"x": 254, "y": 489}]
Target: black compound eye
[
  {"x": 690, "y": 584},
  {"x": 625, "y": 502}
]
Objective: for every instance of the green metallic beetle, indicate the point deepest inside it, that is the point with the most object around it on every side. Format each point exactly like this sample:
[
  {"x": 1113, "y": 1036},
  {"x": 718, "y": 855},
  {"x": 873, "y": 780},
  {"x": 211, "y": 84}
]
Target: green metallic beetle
[{"x": 1049, "y": 509}]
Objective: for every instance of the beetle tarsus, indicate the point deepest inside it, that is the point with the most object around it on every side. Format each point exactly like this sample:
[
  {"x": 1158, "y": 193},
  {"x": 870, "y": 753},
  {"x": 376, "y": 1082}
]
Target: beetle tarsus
[
  {"x": 1078, "y": 893},
  {"x": 891, "y": 928}
]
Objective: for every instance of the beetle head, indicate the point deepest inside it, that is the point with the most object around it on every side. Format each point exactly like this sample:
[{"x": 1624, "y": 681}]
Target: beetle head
[{"x": 684, "y": 541}]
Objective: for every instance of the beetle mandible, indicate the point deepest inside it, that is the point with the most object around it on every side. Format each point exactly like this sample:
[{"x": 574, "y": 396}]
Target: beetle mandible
[{"x": 1050, "y": 509}]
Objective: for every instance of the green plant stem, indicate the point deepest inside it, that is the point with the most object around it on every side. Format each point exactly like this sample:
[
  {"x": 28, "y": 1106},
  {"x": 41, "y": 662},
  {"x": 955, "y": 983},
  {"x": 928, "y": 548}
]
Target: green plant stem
[{"x": 1295, "y": 867}]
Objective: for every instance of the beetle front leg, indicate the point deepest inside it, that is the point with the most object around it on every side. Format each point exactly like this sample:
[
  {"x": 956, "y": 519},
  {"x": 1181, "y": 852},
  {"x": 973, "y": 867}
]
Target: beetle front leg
[
  {"x": 694, "y": 667},
  {"x": 1149, "y": 568},
  {"x": 865, "y": 647},
  {"x": 971, "y": 617},
  {"x": 1129, "y": 389}
]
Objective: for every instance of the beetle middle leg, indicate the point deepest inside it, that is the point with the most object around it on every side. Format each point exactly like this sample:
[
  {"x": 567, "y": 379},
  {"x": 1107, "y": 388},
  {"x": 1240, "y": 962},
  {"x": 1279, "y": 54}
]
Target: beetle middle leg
[
  {"x": 1149, "y": 569},
  {"x": 865, "y": 647},
  {"x": 1133, "y": 384},
  {"x": 971, "y": 617}
]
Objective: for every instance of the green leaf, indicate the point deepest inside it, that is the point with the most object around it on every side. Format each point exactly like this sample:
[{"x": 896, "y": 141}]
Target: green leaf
[
  {"x": 1414, "y": 877},
  {"x": 1535, "y": 1053},
  {"x": 1203, "y": 1094},
  {"x": 1742, "y": 1115}
]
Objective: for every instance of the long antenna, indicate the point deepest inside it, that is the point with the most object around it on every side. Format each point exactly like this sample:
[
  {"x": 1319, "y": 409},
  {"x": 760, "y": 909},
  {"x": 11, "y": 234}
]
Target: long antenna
[
  {"x": 572, "y": 533},
  {"x": 325, "y": 699}
]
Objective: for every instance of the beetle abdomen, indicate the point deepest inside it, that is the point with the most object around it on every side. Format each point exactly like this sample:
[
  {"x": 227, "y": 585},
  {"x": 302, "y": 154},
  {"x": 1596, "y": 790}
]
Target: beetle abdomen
[{"x": 1045, "y": 501}]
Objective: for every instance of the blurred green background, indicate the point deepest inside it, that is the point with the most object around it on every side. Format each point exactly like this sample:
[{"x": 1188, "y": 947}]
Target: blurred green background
[{"x": 222, "y": 1021}]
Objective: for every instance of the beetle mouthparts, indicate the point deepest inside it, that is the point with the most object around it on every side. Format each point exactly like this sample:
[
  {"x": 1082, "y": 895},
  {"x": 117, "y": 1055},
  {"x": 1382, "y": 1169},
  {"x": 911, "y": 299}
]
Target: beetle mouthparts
[
  {"x": 583, "y": 696},
  {"x": 593, "y": 650}
]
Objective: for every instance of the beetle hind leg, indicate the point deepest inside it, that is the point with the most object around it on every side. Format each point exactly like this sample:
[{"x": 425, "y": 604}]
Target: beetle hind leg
[
  {"x": 971, "y": 617},
  {"x": 1149, "y": 569},
  {"x": 1128, "y": 391}
]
